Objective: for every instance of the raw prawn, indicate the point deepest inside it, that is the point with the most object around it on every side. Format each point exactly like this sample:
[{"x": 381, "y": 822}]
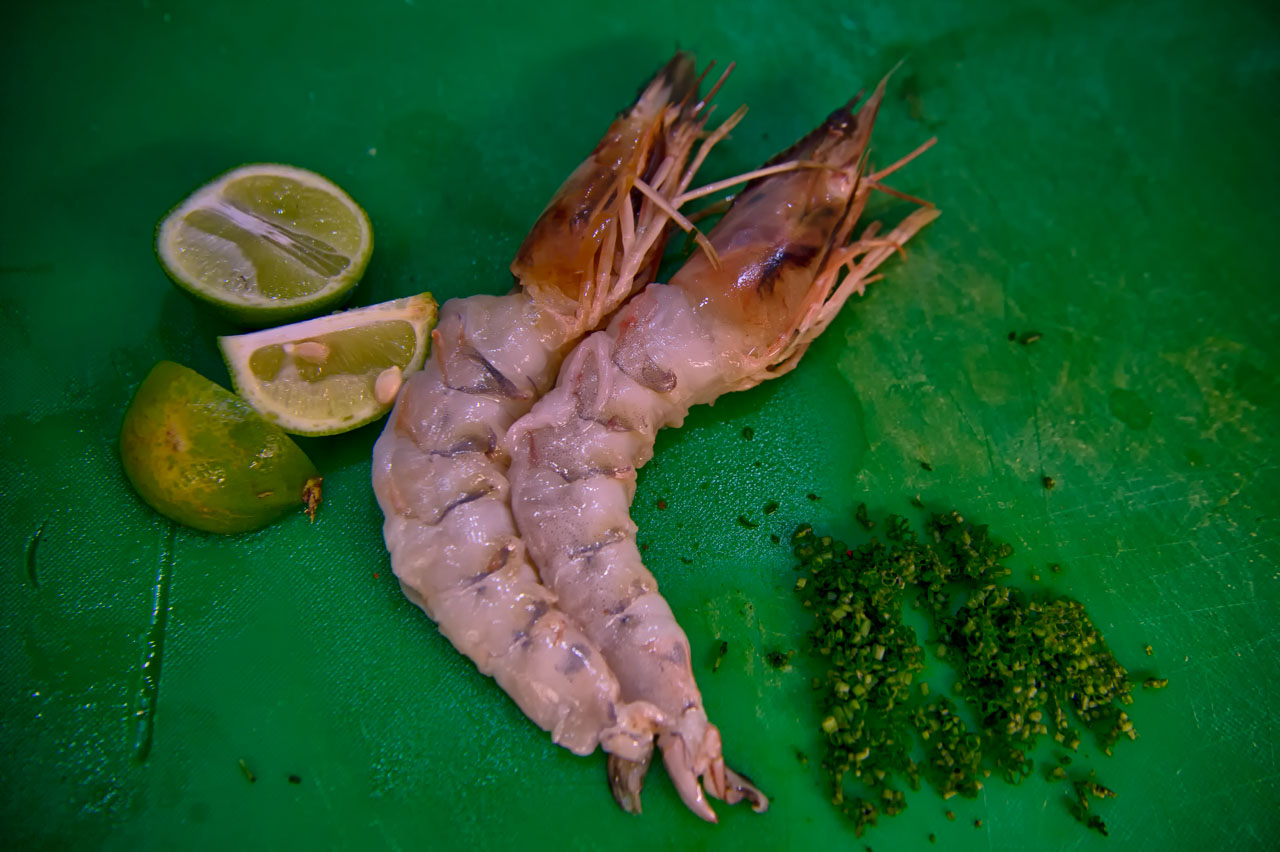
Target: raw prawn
[
  {"x": 439, "y": 467},
  {"x": 718, "y": 326}
]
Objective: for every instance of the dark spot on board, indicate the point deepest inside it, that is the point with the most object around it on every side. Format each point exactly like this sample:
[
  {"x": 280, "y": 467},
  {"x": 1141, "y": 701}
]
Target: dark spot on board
[
  {"x": 1255, "y": 385},
  {"x": 295, "y": 779},
  {"x": 1130, "y": 409},
  {"x": 925, "y": 466}
]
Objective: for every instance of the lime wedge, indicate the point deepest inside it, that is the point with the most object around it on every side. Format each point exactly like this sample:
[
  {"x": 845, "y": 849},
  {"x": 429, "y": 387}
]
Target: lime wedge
[
  {"x": 266, "y": 244},
  {"x": 198, "y": 454},
  {"x": 333, "y": 373}
]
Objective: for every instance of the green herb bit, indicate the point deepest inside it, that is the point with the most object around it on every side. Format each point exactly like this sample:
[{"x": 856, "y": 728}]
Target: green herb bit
[
  {"x": 951, "y": 815},
  {"x": 771, "y": 507},
  {"x": 1048, "y": 482},
  {"x": 925, "y": 466},
  {"x": 1155, "y": 683},
  {"x": 1148, "y": 649},
  {"x": 1030, "y": 337},
  {"x": 780, "y": 660},
  {"x": 748, "y": 433},
  {"x": 720, "y": 655},
  {"x": 861, "y": 517}
]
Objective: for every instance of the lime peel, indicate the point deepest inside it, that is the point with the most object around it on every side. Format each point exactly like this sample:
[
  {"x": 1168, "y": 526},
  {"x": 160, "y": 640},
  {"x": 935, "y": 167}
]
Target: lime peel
[
  {"x": 200, "y": 455},
  {"x": 267, "y": 243}
]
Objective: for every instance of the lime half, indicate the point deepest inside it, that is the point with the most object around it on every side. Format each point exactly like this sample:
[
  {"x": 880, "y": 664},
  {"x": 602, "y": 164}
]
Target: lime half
[
  {"x": 267, "y": 244},
  {"x": 333, "y": 373},
  {"x": 198, "y": 454}
]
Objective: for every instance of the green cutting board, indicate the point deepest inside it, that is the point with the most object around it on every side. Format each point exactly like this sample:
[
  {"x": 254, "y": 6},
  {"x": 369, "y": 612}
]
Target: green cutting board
[{"x": 1108, "y": 178}]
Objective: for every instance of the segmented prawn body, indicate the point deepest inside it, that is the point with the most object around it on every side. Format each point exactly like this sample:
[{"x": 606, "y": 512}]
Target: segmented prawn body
[
  {"x": 439, "y": 467},
  {"x": 718, "y": 326}
]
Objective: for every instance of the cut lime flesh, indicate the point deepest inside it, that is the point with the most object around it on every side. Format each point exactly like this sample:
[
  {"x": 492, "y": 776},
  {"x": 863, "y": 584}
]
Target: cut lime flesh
[{"x": 333, "y": 373}]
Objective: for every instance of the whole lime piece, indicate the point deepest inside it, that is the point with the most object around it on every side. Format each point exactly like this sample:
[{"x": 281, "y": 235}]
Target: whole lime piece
[
  {"x": 267, "y": 243},
  {"x": 202, "y": 456}
]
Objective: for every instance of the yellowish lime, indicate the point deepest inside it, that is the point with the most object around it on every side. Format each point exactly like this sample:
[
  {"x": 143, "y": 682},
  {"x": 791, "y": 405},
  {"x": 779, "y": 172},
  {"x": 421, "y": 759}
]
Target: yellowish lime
[
  {"x": 267, "y": 244},
  {"x": 200, "y": 455},
  {"x": 333, "y": 373}
]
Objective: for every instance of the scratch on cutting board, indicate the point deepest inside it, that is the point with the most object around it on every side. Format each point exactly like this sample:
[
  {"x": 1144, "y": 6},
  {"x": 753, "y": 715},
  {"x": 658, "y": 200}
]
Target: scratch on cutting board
[
  {"x": 33, "y": 544},
  {"x": 153, "y": 652}
]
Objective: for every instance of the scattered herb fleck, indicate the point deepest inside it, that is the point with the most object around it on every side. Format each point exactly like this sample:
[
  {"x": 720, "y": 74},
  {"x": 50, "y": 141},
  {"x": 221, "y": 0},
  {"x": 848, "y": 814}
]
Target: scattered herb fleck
[
  {"x": 748, "y": 433},
  {"x": 933, "y": 838},
  {"x": 924, "y": 465},
  {"x": 802, "y": 757},
  {"x": 861, "y": 517},
  {"x": 775, "y": 538},
  {"x": 1028, "y": 665},
  {"x": 951, "y": 815},
  {"x": 686, "y": 560},
  {"x": 744, "y": 521},
  {"x": 780, "y": 660},
  {"x": 812, "y": 496},
  {"x": 1148, "y": 649},
  {"x": 771, "y": 507},
  {"x": 1048, "y": 482},
  {"x": 248, "y": 773},
  {"x": 977, "y": 823},
  {"x": 720, "y": 655},
  {"x": 1029, "y": 337},
  {"x": 917, "y": 502},
  {"x": 1155, "y": 683},
  {"x": 662, "y": 504},
  {"x": 1055, "y": 568}
]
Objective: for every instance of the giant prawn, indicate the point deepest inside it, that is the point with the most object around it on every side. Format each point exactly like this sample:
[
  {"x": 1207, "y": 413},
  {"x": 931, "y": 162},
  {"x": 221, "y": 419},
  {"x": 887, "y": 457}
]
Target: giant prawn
[
  {"x": 439, "y": 466},
  {"x": 783, "y": 260}
]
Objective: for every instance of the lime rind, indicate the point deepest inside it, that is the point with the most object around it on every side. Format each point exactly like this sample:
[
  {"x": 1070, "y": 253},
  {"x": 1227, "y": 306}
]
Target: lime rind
[
  {"x": 290, "y": 259},
  {"x": 269, "y": 371},
  {"x": 200, "y": 455}
]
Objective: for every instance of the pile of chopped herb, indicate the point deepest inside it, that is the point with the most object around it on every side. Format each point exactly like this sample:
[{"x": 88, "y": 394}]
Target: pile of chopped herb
[{"x": 1027, "y": 666}]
